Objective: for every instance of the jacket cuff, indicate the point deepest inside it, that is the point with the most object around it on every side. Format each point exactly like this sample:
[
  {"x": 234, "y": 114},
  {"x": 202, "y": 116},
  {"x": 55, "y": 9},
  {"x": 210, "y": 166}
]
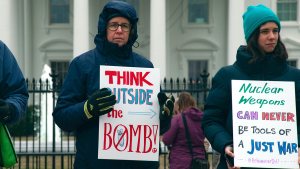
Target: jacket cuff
[
  {"x": 165, "y": 125},
  {"x": 9, "y": 117}
]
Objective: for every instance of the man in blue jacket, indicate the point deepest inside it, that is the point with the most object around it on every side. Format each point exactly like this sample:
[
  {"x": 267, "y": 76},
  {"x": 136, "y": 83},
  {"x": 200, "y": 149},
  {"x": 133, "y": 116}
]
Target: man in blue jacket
[
  {"x": 80, "y": 102},
  {"x": 13, "y": 89}
]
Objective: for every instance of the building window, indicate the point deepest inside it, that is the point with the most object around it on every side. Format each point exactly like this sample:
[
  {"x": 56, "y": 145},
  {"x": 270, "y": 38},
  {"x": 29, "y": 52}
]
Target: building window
[
  {"x": 292, "y": 63},
  {"x": 287, "y": 10},
  {"x": 196, "y": 67},
  {"x": 198, "y": 11},
  {"x": 61, "y": 68},
  {"x": 59, "y": 11},
  {"x": 134, "y": 3}
]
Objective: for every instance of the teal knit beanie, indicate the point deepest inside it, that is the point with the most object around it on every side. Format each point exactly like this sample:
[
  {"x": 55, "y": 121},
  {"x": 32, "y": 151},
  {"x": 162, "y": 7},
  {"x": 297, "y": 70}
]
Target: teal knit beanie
[{"x": 256, "y": 16}]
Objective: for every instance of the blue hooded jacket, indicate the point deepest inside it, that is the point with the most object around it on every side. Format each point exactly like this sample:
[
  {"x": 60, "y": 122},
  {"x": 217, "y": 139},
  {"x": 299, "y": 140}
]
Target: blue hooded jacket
[
  {"x": 13, "y": 88},
  {"x": 83, "y": 80}
]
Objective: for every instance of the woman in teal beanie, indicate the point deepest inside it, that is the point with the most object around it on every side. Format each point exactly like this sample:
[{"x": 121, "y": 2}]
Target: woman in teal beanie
[{"x": 263, "y": 58}]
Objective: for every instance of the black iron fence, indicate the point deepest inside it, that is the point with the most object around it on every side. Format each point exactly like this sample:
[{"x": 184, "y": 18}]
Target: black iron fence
[{"x": 39, "y": 143}]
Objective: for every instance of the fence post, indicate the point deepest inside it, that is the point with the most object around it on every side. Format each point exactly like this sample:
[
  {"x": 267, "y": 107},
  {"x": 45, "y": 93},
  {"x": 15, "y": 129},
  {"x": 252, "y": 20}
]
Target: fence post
[
  {"x": 204, "y": 77},
  {"x": 53, "y": 76}
]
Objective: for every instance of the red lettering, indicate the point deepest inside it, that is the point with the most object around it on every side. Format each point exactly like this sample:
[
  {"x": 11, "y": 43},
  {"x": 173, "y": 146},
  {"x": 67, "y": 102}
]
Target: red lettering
[
  {"x": 134, "y": 78},
  {"x": 272, "y": 116},
  {"x": 110, "y": 74},
  {"x": 142, "y": 79},
  {"x": 283, "y": 116},
  {"x": 147, "y": 137},
  {"x": 138, "y": 129},
  {"x": 106, "y": 134},
  {"x": 120, "y": 113},
  {"x": 120, "y": 139},
  {"x": 278, "y": 115},
  {"x": 127, "y": 75},
  {"x": 265, "y": 116},
  {"x": 290, "y": 117},
  {"x": 115, "y": 114},
  {"x": 129, "y": 78},
  {"x": 155, "y": 128},
  {"x": 119, "y": 77},
  {"x": 123, "y": 140}
]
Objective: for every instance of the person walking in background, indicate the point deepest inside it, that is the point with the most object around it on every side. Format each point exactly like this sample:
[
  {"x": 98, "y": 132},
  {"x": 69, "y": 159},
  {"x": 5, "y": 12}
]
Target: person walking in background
[
  {"x": 180, "y": 156},
  {"x": 80, "y": 102},
  {"x": 13, "y": 89},
  {"x": 263, "y": 58}
]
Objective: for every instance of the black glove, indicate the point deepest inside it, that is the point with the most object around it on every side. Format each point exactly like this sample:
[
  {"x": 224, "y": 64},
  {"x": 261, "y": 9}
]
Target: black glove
[
  {"x": 99, "y": 103},
  {"x": 166, "y": 105},
  {"x": 4, "y": 110}
]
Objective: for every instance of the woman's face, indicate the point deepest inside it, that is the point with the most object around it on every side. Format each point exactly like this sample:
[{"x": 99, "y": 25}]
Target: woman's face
[
  {"x": 118, "y": 36},
  {"x": 268, "y": 36}
]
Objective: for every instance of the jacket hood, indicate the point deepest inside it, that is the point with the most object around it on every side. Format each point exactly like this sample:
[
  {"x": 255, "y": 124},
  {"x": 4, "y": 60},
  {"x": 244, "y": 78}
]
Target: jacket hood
[
  {"x": 100, "y": 40},
  {"x": 273, "y": 66},
  {"x": 194, "y": 113}
]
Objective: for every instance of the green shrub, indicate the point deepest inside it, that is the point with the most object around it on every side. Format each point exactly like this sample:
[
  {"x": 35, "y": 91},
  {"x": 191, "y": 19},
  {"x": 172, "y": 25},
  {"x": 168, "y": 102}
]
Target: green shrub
[
  {"x": 201, "y": 107},
  {"x": 28, "y": 125}
]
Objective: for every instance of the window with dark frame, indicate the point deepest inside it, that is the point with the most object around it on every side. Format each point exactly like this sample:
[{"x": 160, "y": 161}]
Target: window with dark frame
[
  {"x": 59, "y": 11},
  {"x": 198, "y": 11},
  {"x": 61, "y": 68},
  {"x": 134, "y": 3},
  {"x": 292, "y": 63},
  {"x": 196, "y": 67},
  {"x": 287, "y": 10}
]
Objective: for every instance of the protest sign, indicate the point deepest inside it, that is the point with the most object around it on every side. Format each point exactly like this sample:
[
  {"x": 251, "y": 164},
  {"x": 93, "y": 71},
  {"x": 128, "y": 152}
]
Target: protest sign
[
  {"x": 131, "y": 130},
  {"x": 264, "y": 124}
]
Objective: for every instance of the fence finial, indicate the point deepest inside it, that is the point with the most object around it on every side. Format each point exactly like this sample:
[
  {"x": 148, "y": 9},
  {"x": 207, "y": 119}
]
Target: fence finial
[{"x": 54, "y": 75}]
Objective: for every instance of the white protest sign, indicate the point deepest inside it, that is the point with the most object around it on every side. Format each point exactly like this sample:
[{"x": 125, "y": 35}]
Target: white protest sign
[
  {"x": 131, "y": 130},
  {"x": 264, "y": 124}
]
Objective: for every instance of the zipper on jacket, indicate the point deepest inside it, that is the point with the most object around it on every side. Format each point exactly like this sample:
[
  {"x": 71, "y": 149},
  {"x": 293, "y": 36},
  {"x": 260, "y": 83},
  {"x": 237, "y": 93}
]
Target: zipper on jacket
[{"x": 263, "y": 68}]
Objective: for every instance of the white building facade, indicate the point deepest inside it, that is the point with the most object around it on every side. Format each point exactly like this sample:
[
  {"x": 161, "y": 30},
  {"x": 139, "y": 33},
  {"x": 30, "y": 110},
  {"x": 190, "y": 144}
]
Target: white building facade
[{"x": 181, "y": 37}]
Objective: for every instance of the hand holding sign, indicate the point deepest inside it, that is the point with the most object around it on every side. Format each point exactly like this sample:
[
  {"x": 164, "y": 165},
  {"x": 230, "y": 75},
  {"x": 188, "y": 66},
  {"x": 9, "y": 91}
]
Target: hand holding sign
[
  {"x": 166, "y": 105},
  {"x": 99, "y": 103}
]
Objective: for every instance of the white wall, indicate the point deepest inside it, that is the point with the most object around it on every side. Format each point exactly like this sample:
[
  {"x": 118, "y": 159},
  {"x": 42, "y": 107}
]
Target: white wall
[
  {"x": 178, "y": 36},
  {"x": 50, "y": 42},
  {"x": 55, "y": 42},
  {"x": 290, "y": 31}
]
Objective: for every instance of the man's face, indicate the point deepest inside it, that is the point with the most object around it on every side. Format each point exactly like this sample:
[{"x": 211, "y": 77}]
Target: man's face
[{"x": 118, "y": 36}]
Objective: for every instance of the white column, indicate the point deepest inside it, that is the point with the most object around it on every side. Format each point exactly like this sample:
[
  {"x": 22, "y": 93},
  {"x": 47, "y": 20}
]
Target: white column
[
  {"x": 28, "y": 40},
  {"x": 236, "y": 9},
  {"x": 158, "y": 35},
  {"x": 81, "y": 27},
  {"x": 9, "y": 24},
  {"x": 5, "y": 21}
]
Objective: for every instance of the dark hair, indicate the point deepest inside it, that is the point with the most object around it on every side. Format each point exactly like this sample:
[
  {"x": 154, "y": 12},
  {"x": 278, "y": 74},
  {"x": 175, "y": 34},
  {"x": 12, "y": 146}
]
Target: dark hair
[
  {"x": 256, "y": 51},
  {"x": 185, "y": 100}
]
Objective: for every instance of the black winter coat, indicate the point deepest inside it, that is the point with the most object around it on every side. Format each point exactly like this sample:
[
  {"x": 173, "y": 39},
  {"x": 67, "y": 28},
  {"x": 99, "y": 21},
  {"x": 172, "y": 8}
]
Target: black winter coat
[{"x": 217, "y": 119}]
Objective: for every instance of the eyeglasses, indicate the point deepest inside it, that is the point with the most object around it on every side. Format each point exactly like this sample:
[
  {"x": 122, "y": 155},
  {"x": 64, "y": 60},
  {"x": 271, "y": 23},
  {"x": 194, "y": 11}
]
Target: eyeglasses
[{"x": 114, "y": 26}]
